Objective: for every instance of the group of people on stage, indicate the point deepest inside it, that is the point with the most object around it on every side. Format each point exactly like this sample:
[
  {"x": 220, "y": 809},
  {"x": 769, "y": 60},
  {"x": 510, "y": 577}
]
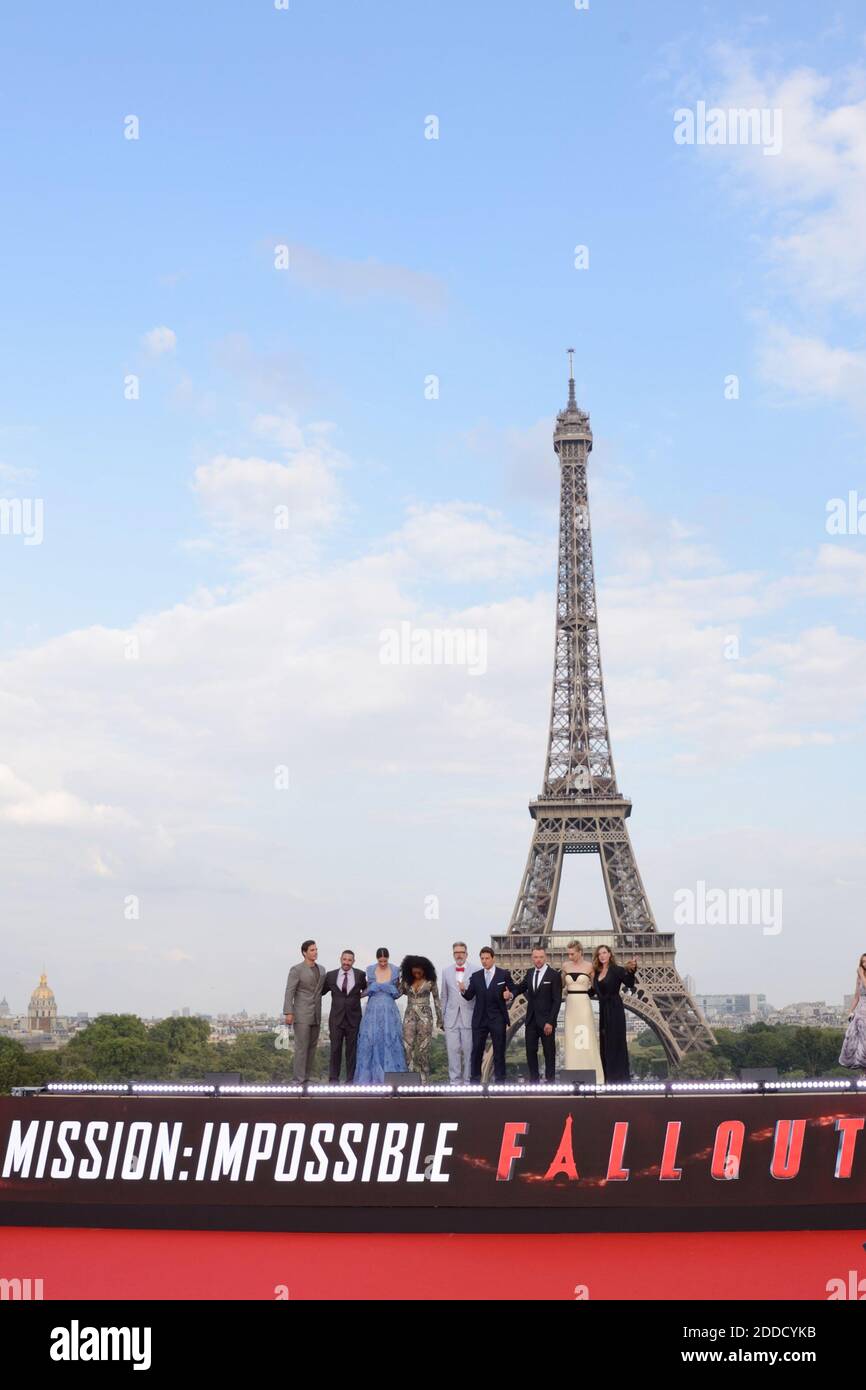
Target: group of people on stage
[{"x": 472, "y": 1009}]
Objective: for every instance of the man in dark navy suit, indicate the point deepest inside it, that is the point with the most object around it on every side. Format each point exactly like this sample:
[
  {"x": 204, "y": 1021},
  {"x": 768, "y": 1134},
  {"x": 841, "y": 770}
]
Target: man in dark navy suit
[
  {"x": 492, "y": 990},
  {"x": 542, "y": 986}
]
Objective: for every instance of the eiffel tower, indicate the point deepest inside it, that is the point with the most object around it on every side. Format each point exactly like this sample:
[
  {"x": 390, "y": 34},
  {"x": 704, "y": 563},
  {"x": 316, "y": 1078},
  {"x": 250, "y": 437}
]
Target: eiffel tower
[{"x": 580, "y": 809}]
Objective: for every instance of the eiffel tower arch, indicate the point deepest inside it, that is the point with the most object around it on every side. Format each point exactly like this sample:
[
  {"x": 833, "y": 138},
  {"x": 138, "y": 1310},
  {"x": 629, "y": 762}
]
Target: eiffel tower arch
[{"x": 580, "y": 809}]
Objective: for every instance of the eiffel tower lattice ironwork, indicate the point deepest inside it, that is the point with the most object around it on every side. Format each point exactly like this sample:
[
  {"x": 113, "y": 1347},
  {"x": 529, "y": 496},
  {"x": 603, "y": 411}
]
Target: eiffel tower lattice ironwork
[{"x": 580, "y": 809}]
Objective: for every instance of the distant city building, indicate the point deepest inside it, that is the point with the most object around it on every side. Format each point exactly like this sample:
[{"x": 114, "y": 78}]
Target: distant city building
[
  {"x": 738, "y": 1011},
  {"x": 226, "y": 1027},
  {"x": 812, "y": 1014},
  {"x": 722, "y": 1007},
  {"x": 41, "y": 1028},
  {"x": 42, "y": 1013}
]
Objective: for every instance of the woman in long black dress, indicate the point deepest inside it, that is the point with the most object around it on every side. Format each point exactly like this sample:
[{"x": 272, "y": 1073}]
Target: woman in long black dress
[{"x": 609, "y": 979}]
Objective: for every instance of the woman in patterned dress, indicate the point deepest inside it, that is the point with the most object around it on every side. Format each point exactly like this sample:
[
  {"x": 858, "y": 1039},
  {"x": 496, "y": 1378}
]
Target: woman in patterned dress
[
  {"x": 853, "y": 1052},
  {"x": 418, "y": 983}
]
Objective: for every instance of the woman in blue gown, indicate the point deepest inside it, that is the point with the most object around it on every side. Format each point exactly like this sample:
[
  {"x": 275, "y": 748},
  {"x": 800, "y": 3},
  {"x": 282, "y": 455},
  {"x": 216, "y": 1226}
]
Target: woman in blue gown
[{"x": 380, "y": 1041}]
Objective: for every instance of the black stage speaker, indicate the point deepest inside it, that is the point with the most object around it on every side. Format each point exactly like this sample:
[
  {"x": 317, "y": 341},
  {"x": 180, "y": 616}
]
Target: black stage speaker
[
  {"x": 759, "y": 1074},
  {"x": 578, "y": 1078},
  {"x": 402, "y": 1078}
]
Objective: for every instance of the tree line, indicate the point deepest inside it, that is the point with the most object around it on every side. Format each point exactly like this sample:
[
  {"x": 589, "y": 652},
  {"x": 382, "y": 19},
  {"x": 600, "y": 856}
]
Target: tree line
[{"x": 119, "y": 1047}]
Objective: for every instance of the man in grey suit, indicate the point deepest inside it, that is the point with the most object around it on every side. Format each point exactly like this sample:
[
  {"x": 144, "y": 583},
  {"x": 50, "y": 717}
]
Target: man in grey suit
[
  {"x": 302, "y": 1008},
  {"x": 457, "y": 1015}
]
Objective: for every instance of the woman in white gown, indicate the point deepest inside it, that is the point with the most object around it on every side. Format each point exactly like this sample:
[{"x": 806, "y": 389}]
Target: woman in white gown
[{"x": 581, "y": 1043}]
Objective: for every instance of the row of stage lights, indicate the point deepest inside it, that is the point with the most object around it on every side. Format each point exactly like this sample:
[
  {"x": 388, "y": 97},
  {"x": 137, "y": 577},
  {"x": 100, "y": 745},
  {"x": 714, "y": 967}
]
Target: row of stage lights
[{"x": 549, "y": 1088}]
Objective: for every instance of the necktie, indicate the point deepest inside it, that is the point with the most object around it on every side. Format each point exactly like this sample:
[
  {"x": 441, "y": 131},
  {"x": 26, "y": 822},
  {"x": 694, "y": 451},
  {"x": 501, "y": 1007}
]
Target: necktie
[
  {"x": 345, "y": 983},
  {"x": 537, "y": 978}
]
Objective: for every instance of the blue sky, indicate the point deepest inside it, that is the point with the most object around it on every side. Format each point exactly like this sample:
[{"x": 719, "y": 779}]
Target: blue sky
[{"x": 411, "y": 257}]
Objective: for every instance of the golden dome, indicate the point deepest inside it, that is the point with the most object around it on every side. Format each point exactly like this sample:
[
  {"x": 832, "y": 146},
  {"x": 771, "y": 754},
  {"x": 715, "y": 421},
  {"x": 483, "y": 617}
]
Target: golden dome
[{"x": 43, "y": 990}]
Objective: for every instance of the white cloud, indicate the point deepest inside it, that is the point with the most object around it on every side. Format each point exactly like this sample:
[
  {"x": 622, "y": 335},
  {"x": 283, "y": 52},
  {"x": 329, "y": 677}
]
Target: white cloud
[
  {"x": 524, "y": 455},
  {"x": 264, "y": 377},
  {"x": 837, "y": 571},
  {"x": 811, "y": 368},
  {"x": 247, "y": 493},
  {"x": 263, "y": 502},
  {"x": 21, "y": 804},
  {"x": 464, "y": 541},
  {"x": 156, "y": 777},
  {"x": 353, "y": 279},
  {"x": 817, "y": 180},
  {"x": 811, "y": 202},
  {"x": 284, "y": 430},
  {"x": 158, "y": 341},
  {"x": 186, "y": 739}
]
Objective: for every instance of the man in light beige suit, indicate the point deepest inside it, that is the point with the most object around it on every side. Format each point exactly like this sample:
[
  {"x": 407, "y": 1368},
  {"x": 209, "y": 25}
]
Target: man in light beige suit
[{"x": 302, "y": 1008}]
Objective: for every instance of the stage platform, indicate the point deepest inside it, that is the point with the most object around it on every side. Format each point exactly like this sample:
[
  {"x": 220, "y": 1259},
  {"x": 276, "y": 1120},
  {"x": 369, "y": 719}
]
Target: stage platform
[
  {"x": 85, "y": 1264},
  {"x": 679, "y": 1157}
]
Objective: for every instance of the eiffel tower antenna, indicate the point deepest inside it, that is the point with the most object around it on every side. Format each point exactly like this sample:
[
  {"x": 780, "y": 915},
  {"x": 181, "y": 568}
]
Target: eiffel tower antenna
[{"x": 580, "y": 809}]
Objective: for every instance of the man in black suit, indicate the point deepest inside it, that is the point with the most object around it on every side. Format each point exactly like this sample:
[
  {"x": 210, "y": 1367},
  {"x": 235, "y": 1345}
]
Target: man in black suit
[
  {"x": 492, "y": 989},
  {"x": 542, "y": 986},
  {"x": 345, "y": 987}
]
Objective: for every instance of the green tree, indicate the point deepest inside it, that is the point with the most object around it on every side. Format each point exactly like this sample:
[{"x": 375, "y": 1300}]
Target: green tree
[
  {"x": 189, "y": 1049},
  {"x": 181, "y": 1034},
  {"x": 258, "y": 1059},
  {"x": 794, "y": 1051},
  {"x": 115, "y": 1047},
  {"x": 438, "y": 1059},
  {"x": 20, "y": 1067},
  {"x": 703, "y": 1066},
  {"x": 648, "y": 1059},
  {"x": 12, "y": 1065}
]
